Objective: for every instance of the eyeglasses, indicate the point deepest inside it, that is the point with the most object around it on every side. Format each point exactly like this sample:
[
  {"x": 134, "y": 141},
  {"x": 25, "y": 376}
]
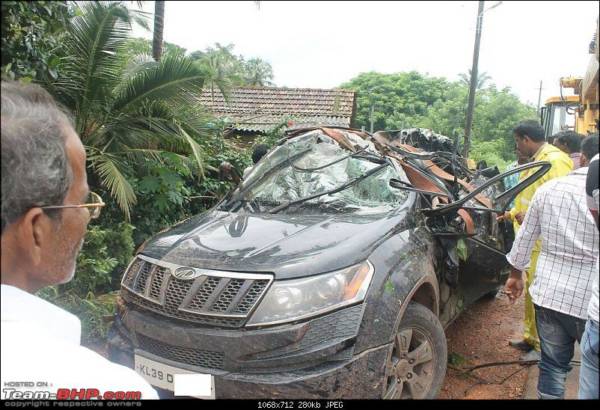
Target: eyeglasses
[{"x": 93, "y": 203}]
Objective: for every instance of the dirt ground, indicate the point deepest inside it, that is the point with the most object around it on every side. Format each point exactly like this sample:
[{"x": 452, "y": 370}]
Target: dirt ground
[{"x": 480, "y": 335}]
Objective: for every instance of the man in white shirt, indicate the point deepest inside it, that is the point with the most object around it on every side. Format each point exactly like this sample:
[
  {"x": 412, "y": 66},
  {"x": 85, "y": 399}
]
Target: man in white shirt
[
  {"x": 565, "y": 271},
  {"x": 46, "y": 206}
]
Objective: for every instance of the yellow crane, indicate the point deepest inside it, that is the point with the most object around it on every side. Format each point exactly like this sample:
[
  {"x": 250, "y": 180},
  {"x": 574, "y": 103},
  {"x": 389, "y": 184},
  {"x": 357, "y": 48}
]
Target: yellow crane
[{"x": 577, "y": 112}]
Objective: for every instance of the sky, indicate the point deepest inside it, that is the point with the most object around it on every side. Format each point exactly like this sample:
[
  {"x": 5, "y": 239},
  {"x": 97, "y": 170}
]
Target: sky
[{"x": 324, "y": 44}]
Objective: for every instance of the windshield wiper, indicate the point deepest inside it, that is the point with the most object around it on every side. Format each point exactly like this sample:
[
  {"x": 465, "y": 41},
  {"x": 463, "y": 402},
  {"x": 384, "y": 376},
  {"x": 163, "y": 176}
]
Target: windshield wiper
[
  {"x": 237, "y": 197},
  {"x": 333, "y": 191}
]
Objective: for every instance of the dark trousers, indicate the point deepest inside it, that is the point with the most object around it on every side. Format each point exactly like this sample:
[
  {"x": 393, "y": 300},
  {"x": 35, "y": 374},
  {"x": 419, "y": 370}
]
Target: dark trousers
[{"x": 558, "y": 333}]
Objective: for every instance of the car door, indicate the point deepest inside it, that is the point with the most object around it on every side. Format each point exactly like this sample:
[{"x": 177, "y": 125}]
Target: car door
[{"x": 474, "y": 242}]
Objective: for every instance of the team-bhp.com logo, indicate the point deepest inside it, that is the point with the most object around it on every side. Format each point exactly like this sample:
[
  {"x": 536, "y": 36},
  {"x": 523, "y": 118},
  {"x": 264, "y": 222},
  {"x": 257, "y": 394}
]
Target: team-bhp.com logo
[{"x": 11, "y": 393}]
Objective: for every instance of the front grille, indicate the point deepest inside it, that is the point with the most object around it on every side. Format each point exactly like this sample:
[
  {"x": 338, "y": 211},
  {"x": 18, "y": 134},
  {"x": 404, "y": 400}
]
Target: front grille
[
  {"x": 187, "y": 317},
  {"x": 186, "y": 355},
  {"x": 208, "y": 299},
  {"x": 251, "y": 297}
]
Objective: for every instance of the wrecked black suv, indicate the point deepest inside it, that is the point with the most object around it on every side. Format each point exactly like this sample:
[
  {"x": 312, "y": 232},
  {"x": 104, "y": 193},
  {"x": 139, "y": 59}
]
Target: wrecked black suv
[{"x": 329, "y": 272}]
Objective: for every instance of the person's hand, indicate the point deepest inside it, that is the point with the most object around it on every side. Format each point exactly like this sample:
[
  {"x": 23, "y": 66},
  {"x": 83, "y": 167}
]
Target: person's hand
[
  {"x": 514, "y": 285},
  {"x": 225, "y": 170},
  {"x": 504, "y": 217},
  {"x": 520, "y": 217},
  {"x": 225, "y": 167}
]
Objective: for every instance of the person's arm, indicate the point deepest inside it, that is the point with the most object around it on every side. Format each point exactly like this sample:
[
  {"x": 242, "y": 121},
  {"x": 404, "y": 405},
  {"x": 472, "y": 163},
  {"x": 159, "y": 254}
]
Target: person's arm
[
  {"x": 591, "y": 189},
  {"x": 520, "y": 253}
]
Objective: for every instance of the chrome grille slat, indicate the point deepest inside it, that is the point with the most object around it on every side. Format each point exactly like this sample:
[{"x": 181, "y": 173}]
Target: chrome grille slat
[
  {"x": 227, "y": 296},
  {"x": 216, "y": 293},
  {"x": 240, "y": 295},
  {"x": 141, "y": 279},
  {"x": 203, "y": 294},
  {"x": 156, "y": 283},
  {"x": 132, "y": 272},
  {"x": 217, "y": 298}
]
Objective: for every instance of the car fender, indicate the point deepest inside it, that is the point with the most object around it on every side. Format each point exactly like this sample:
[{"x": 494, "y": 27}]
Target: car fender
[{"x": 404, "y": 271}]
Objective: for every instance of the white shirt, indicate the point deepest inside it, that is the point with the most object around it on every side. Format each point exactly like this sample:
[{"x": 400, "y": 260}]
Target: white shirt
[
  {"x": 41, "y": 345},
  {"x": 566, "y": 267}
]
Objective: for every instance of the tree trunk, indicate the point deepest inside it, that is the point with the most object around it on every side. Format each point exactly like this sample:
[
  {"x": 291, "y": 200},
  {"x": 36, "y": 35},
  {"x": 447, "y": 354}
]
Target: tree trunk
[{"x": 159, "y": 24}]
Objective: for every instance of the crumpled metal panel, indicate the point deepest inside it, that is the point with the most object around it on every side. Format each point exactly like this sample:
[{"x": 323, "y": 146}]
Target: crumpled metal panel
[{"x": 423, "y": 138}]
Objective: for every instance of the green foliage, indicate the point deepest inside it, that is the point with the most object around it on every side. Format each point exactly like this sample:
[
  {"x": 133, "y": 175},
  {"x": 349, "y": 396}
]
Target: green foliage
[
  {"x": 257, "y": 72},
  {"x": 31, "y": 32},
  {"x": 482, "y": 79},
  {"x": 105, "y": 254},
  {"x": 127, "y": 111},
  {"x": 95, "y": 313},
  {"x": 398, "y": 100},
  {"x": 461, "y": 250},
  {"x": 140, "y": 46},
  {"x": 225, "y": 70},
  {"x": 456, "y": 359},
  {"x": 490, "y": 152},
  {"x": 164, "y": 193},
  {"x": 406, "y": 100},
  {"x": 271, "y": 137}
]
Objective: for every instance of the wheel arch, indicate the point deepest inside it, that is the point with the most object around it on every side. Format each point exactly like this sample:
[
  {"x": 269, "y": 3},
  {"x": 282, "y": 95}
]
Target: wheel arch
[{"x": 425, "y": 292}]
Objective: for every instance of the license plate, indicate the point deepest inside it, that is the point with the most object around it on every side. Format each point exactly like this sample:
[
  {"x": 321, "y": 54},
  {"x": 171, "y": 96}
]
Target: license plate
[{"x": 180, "y": 381}]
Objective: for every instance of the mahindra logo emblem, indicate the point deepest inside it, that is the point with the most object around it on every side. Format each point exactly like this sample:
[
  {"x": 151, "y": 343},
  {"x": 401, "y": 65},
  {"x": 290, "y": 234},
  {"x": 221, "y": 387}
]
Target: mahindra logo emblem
[{"x": 186, "y": 273}]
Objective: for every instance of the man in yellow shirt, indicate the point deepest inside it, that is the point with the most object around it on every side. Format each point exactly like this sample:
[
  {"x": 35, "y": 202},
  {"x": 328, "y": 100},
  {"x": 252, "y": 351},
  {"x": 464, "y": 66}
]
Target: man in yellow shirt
[{"x": 530, "y": 141}]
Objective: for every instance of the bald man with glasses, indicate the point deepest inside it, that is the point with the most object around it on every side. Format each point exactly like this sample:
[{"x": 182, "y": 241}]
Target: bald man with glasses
[{"x": 46, "y": 207}]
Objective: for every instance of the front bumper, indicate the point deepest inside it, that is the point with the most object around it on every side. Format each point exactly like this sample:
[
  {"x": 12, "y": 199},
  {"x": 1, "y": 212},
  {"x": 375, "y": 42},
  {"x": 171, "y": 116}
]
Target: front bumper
[{"x": 314, "y": 359}]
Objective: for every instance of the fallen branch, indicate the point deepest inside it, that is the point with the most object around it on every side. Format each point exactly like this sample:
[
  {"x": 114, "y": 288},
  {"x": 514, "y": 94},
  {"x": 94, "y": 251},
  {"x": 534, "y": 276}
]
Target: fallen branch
[
  {"x": 483, "y": 381},
  {"x": 521, "y": 362}
]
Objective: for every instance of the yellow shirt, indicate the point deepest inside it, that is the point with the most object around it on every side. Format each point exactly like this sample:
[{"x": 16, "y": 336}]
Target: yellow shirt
[{"x": 561, "y": 166}]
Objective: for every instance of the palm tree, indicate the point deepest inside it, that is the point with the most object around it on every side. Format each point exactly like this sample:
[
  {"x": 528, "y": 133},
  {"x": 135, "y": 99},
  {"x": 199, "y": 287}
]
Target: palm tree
[
  {"x": 482, "y": 79},
  {"x": 159, "y": 24},
  {"x": 128, "y": 115},
  {"x": 222, "y": 69},
  {"x": 258, "y": 72}
]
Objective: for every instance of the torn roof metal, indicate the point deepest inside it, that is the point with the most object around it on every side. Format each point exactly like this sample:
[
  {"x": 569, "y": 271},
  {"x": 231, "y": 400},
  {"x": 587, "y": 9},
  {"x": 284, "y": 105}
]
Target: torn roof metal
[{"x": 419, "y": 166}]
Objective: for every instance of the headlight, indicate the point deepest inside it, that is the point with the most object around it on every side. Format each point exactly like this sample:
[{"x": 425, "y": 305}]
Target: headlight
[{"x": 301, "y": 298}]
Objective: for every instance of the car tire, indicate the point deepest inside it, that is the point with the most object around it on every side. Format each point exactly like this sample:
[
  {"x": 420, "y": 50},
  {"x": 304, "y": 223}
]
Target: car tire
[{"x": 416, "y": 365}]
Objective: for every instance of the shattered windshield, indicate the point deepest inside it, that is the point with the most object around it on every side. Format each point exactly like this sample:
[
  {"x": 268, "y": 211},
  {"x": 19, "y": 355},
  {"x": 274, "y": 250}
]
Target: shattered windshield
[{"x": 314, "y": 164}]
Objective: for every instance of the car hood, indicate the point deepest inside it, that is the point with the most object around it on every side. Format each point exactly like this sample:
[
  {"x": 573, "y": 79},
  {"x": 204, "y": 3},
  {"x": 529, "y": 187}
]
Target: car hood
[{"x": 287, "y": 245}]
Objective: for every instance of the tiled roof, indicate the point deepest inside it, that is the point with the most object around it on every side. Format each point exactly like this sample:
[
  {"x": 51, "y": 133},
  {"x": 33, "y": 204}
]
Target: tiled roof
[{"x": 262, "y": 108}]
